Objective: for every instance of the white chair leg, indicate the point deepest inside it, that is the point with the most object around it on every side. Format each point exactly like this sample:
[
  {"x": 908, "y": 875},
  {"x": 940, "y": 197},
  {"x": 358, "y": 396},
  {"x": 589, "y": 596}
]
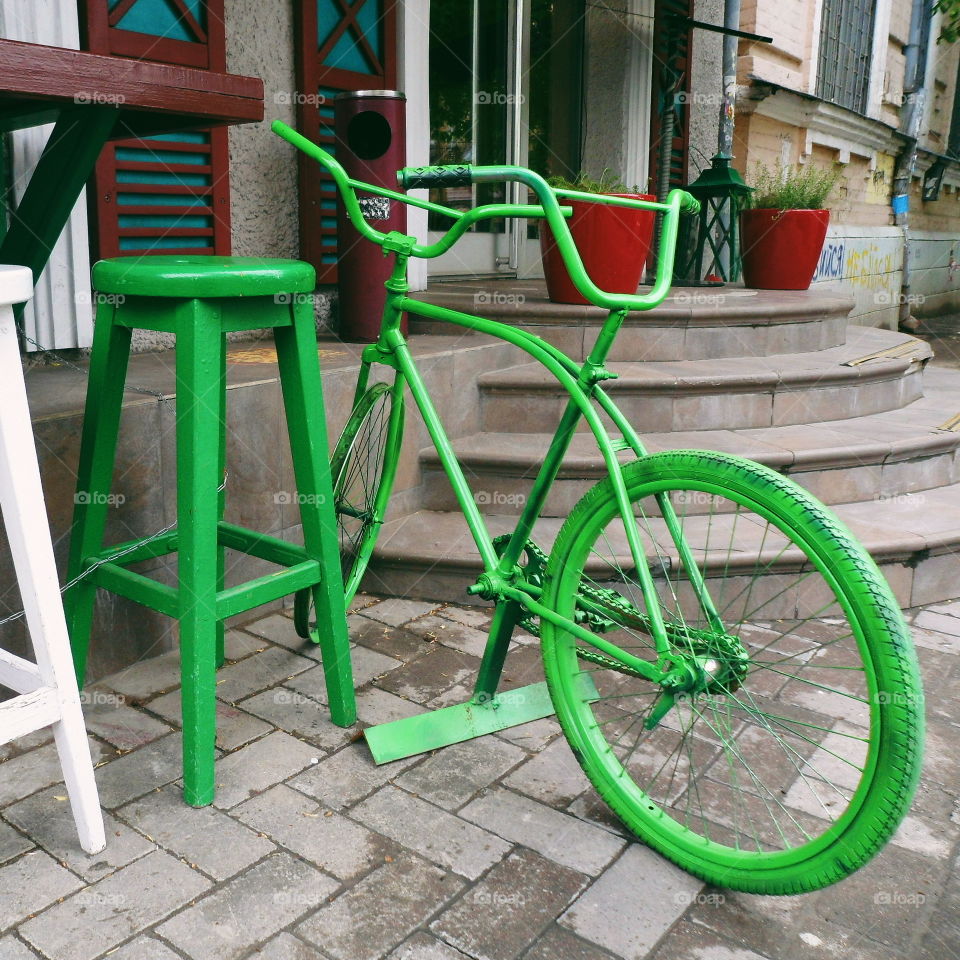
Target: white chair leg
[{"x": 28, "y": 533}]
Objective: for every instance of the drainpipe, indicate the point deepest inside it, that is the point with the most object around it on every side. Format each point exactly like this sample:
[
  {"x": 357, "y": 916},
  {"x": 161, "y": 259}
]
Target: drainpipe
[
  {"x": 915, "y": 54},
  {"x": 731, "y": 21}
]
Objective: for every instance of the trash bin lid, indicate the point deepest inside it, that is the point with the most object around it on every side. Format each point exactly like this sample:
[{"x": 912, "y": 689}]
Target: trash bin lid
[{"x": 383, "y": 94}]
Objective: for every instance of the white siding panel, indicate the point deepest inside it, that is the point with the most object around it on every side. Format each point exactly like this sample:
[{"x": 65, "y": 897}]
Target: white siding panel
[{"x": 60, "y": 314}]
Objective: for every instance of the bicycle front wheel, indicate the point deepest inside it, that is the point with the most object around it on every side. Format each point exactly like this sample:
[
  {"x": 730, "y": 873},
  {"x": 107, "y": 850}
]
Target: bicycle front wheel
[
  {"x": 791, "y": 751},
  {"x": 362, "y": 470}
]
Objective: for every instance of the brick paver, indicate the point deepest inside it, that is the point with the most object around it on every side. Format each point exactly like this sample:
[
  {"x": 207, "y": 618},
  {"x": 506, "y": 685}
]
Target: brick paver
[
  {"x": 205, "y": 837},
  {"x": 492, "y": 849},
  {"x": 334, "y": 843},
  {"x": 47, "y": 818},
  {"x": 30, "y": 884},
  {"x": 13, "y": 949},
  {"x": 633, "y": 904},
  {"x": 438, "y": 836},
  {"x": 259, "y": 765},
  {"x": 100, "y": 916},
  {"x": 371, "y": 918},
  {"x": 501, "y": 916},
  {"x": 562, "y": 838},
  {"x": 249, "y": 909},
  {"x": 12, "y": 843}
]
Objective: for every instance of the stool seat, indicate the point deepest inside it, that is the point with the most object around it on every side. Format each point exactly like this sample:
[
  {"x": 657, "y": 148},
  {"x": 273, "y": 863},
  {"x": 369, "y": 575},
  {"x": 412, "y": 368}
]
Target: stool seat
[{"x": 202, "y": 276}]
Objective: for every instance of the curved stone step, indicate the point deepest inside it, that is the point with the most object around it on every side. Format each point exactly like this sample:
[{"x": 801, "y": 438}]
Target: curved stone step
[
  {"x": 692, "y": 323},
  {"x": 743, "y": 393},
  {"x": 914, "y": 538},
  {"x": 876, "y": 457}
]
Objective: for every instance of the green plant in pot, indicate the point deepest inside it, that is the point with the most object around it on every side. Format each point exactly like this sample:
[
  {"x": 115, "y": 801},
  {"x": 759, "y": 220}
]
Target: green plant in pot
[
  {"x": 613, "y": 242},
  {"x": 782, "y": 232}
]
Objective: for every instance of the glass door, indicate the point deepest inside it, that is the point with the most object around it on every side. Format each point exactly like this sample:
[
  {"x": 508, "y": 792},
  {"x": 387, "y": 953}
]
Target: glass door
[{"x": 505, "y": 87}]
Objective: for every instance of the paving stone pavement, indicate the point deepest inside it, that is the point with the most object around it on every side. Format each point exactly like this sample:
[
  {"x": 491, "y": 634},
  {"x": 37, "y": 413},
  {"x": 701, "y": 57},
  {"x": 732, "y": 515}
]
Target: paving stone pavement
[{"x": 494, "y": 849}]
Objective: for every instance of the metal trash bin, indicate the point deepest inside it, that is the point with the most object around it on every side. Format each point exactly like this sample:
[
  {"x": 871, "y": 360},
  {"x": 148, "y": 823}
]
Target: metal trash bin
[{"x": 370, "y": 130}]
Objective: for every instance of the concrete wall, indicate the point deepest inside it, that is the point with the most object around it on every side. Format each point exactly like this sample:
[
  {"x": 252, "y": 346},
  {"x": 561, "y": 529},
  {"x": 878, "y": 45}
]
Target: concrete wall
[
  {"x": 263, "y": 168},
  {"x": 605, "y": 70}
]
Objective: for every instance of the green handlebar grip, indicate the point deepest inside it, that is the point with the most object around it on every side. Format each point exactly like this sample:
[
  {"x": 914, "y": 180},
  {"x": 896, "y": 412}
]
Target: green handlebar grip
[{"x": 454, "y": 175}]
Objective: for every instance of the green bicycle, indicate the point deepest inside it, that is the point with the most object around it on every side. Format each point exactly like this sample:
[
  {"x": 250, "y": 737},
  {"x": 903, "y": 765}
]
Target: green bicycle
[{"x": 728, "y": 665}]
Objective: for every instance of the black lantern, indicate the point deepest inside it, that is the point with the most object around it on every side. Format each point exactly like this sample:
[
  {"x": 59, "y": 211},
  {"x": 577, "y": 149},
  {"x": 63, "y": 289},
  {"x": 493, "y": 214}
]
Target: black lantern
[{"x": 712, "y": 247}]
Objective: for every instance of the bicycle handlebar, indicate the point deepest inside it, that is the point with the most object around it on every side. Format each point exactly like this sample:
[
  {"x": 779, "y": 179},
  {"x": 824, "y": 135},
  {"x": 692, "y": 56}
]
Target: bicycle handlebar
[{"x": 677, "y": 202}]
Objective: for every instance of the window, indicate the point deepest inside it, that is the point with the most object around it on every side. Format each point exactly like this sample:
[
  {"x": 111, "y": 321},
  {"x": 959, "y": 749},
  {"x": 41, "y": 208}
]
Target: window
[{"x": 846, "y": 42}]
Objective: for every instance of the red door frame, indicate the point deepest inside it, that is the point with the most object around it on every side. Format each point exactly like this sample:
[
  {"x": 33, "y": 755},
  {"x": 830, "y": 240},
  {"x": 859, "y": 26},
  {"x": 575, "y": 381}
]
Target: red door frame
[{"x": 316, "y": 240}]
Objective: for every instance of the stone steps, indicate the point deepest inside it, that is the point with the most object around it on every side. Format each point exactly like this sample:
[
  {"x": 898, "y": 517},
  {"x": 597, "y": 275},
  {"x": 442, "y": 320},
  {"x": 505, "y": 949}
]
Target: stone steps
[
  {"x": 725, "y": 394},
  {"x": 889, "y": 454},
  {"x": 914, "y": 539},
  {"x": 854, "y": 414},
  {"x": 692, "y": 323}
]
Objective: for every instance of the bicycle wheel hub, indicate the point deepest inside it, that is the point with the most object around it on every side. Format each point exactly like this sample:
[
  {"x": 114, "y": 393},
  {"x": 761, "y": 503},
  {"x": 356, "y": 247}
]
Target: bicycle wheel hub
[{"x": 714, "y": 663}]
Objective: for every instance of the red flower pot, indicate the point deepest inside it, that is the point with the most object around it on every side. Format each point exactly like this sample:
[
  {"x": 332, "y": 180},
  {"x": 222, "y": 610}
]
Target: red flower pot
[
  {"x": 613, "y": 244},
  {"x": 781, "y": 248}
]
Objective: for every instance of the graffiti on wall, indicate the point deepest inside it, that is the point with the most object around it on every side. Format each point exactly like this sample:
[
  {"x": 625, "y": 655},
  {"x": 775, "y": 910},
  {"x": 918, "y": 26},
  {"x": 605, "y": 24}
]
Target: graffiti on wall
[
  {"x": 860, "y": 262},
  {"x": 830, "y": 266}
]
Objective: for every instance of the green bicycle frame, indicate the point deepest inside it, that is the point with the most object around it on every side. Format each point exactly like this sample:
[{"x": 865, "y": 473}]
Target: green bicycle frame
[{"x": 501, "y": 580}]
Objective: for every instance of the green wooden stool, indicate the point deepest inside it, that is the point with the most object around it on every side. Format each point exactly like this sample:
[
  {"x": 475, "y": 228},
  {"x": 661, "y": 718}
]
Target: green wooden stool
[{"x": 200, "y": 299}]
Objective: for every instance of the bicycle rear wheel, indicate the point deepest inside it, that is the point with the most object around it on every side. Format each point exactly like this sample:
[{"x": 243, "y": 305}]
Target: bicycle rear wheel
[
  {"x": 362, "y": 469},
  {"x": 792, "y": 752}
]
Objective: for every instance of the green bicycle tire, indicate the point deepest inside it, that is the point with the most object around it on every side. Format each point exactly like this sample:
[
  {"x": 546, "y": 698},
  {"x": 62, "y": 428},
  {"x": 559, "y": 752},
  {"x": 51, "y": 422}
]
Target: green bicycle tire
[
  {"x": 366, "y": 451},
  {"x": 884, "y": 690}
]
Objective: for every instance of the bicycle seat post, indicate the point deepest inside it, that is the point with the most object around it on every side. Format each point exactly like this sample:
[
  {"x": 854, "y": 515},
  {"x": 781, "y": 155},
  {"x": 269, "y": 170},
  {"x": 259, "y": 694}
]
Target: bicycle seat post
[{"x": 401, "y": 246}]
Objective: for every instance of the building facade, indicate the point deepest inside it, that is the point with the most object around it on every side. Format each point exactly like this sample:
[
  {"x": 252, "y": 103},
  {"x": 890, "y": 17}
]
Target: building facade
[
  {"x": 559, "y": 85},
  {"x": 865, "y": 84}
]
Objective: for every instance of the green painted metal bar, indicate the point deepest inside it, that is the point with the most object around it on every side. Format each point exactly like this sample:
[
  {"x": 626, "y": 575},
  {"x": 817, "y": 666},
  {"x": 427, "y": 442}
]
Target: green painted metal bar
[
  {"x": 137, "y": 587},
  {"x": 265, "y": 589},
  {"x": 463, "y": 721},
  {"x": 222, "y": 492},
  {"x": 236, "y": 313},
  {"x": 260, "y": 545},
  {"x": 643, "y": 667},
  {"x": 667, "y": 511},
  {"x": 612, "y": 201},
  {"x": 505, "y": 617},
  {"x": 448, "y": 458},
  {"x": 579, "y": 400}
]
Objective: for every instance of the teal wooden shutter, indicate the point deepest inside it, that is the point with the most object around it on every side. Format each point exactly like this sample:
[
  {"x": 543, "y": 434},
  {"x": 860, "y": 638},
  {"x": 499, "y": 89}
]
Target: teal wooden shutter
[{"x": 169, "y": 193}]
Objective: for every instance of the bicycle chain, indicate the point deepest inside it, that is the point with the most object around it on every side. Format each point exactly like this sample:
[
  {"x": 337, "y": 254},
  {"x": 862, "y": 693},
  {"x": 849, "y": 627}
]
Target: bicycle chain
[{"x": 533, "y": 572}]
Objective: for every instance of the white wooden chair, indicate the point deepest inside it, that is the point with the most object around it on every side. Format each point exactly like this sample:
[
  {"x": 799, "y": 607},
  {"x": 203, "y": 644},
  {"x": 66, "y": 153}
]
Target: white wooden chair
[{"x": 48, "y": 695}]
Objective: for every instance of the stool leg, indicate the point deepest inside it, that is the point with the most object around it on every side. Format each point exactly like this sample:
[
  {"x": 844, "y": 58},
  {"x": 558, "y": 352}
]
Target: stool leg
[
  {"x": 199, "y": 347},
  {"x": 303, "y": 402},
  {"x": 98, "y": 448},
  {"x": 222, "y": 498},
  {"x": 28, "y": 534}
]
